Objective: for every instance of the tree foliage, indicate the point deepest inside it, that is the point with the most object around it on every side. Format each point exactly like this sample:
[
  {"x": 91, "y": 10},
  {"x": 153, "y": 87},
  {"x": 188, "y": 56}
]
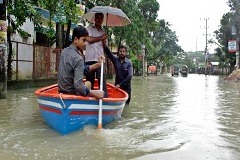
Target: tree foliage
[
  {"x": 60, "y": 8},
  {"x": 156, "y": 35},
  {"x": 164, "y": 41},
  {"x": 223, "y": 35}
]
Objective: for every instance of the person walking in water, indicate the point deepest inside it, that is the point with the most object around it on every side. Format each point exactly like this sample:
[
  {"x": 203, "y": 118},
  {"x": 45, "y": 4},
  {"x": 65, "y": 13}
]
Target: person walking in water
[{"x": 123, "y": 69}]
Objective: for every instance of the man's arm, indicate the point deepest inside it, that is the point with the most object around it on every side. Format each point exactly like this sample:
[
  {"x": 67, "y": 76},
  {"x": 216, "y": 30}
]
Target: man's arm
[
  {"x": 98, "y": 94},
  {"x": 96, "y": 65},
  {"x": 89, "y": 68},
  {"x": 97, "y": 39},
  {"x": 108, "y": 52}
]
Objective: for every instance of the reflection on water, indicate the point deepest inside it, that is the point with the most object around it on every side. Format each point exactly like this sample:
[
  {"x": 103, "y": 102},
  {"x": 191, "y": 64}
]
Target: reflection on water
[{"x": 194, "y": 117}]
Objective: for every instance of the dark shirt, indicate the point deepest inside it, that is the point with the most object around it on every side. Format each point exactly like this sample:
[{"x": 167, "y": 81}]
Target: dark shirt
[
  {"x": 86, "y": 69},
  {"x": 71, "y": 72},
  {"x": 124, "y": 71}
]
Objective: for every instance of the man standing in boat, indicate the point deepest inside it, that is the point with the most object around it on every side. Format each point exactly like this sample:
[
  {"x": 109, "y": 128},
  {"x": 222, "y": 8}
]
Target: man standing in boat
[
  {"x": 94, "y": 50},
  {"x": 71, "y": 67},
  {"x": 123, "y": 69}
]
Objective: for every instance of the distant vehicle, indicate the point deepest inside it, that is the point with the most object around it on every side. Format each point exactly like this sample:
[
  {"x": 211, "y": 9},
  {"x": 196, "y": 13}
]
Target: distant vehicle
[
  {"x": 184, "y": 71},
  {"x": 201, "y": 70},
  {"x": 175, "y": 71},
  {"x": 152, "y": 69}
]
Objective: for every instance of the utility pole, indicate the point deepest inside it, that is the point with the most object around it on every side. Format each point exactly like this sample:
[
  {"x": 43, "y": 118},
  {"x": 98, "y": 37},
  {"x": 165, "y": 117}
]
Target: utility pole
[
  {"x": 3, "y": 49},
  {"x": 196, "y": 44},
  {"x": 206, "y": 47},
  {"x": 237, "y": 48},
  {"x": 237, "y": 35},
  {"x": 143, "y": 61},
  {"x": 206, "y": 50}
]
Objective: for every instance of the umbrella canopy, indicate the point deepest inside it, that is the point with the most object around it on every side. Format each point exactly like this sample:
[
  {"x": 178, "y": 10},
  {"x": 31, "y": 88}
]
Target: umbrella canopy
[{"x": 112, "y": 16}]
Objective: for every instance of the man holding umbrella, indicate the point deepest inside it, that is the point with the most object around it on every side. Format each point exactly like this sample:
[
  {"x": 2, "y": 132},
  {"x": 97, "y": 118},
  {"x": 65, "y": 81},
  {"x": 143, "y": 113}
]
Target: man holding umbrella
[
  {"x": 94, "y": 50},
  {"x": 107, "y": 16}
]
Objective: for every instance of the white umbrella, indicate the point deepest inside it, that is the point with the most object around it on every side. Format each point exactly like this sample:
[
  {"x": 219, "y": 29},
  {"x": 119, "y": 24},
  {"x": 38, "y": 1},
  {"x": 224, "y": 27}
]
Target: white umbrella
[{"x": 112, "y": 16}]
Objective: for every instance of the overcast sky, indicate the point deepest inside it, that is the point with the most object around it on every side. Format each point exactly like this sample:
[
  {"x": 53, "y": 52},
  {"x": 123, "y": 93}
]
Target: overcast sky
[{"x": 188, "y": 19}]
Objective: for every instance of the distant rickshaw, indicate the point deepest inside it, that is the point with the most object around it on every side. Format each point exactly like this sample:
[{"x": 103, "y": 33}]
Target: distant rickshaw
[
  {"x": 175, "y": 71},
  {"x": 184, "y": 71}
]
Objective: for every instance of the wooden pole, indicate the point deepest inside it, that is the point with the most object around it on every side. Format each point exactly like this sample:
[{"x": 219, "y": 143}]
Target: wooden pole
[
  {"x": 100, "y": 100},
  {"x": 3, "y": 49}
]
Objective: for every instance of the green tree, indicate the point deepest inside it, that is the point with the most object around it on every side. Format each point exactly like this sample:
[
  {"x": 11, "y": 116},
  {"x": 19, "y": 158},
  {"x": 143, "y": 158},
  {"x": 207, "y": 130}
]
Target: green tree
[
  {"x": 17, "y": 14},
  {"x": 223, "y": 34},
  {"x": 60, "y": 8},
  {"x": 143, "y": 16},
  {"x": 71, "y": 17},
  {"x": 164, "y": 41}
]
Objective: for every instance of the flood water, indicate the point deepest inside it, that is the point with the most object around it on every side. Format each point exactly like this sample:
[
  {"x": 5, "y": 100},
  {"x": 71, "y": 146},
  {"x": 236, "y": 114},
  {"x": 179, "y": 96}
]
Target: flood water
[{"x": 188, "y": 118}]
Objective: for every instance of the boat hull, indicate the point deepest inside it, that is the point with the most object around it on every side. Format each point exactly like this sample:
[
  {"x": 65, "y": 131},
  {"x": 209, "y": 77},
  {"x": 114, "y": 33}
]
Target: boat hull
[{"x": 68, "y": 113}]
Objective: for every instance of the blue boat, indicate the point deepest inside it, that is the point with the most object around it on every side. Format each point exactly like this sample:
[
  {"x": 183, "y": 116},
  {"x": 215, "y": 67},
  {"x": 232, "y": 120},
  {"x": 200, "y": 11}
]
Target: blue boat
[{"x": 68, "y": 113}]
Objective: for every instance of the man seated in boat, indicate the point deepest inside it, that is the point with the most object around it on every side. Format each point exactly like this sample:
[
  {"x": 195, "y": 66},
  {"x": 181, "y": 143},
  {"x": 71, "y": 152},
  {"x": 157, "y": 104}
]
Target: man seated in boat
[{"x": 71, "y": 67}]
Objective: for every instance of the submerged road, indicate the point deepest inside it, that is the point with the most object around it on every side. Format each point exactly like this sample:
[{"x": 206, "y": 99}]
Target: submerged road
[{"x": 195, "y": 117}]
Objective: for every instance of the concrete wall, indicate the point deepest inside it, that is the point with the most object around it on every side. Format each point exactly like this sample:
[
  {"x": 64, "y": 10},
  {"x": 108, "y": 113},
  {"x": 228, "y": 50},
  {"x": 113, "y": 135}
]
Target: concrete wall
[{"x": 24, "y": 52}]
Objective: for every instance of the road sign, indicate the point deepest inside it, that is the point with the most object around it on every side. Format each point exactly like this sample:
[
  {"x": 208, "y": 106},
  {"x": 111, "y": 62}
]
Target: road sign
[
  {"x": 232, "y": 47},
  {"x": 140, "y": 56},
  {"x": 61, "y": 18}
]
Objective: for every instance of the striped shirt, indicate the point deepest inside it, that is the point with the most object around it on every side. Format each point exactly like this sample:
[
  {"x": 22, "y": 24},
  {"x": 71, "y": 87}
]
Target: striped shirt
[{"x": 95, "y": 50}]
